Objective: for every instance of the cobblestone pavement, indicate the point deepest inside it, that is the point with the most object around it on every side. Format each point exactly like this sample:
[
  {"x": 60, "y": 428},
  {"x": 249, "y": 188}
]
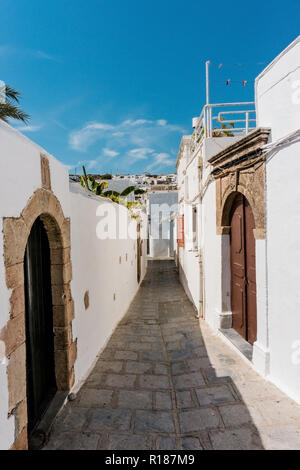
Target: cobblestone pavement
[{"x": 165, "y": 383}]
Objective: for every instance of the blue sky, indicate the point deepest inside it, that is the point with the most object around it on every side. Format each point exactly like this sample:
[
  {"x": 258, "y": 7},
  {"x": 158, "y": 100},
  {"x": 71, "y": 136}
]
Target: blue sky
[{"x": 115, "y": 84}]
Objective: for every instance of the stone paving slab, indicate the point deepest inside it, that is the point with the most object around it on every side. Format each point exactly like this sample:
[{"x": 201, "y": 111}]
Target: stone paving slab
[{"x": 166, "y": 382}]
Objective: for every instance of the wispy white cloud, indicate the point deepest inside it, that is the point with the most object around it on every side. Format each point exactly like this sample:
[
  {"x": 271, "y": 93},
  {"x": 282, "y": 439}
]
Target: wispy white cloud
[
  {"x": 110, "y": 153},
  {"x": 29, "y": 128},
  {"x": 161, "y": 160},
  {"x": 99, "y": 126},
  {"x": 83, "y": 138},
  {"x": 138, "y": 132},
  {"x": 131, "y": 141},
  {"x": 43, "y": 55},
  {"x": 140, "y": 153},
  {"x": 9, "y": 50},
  {"x": 59, "y": 124},
  {"x": 89, "y": 165}
]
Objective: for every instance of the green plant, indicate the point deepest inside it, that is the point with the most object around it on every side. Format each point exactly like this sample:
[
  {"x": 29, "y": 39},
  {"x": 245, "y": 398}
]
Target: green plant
[
  {"x": 221, "y": 132},
  {"x": 217, "y": 132},
  {"x": 8, "y": 107},
  {"x": 139, "y": 191},
  {"x": 89, "y": 183},
  {"x": 107, "y": 176}
]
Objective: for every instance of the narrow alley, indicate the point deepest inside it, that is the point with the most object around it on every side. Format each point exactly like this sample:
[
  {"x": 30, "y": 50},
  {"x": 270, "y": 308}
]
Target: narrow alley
[{"x": 164, "y": 383}]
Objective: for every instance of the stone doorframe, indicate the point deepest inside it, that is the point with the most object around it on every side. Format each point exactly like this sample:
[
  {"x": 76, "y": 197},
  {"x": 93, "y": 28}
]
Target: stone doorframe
[
  {"x": 239, "y": 168},
  {"x": 45, "y": 205}
]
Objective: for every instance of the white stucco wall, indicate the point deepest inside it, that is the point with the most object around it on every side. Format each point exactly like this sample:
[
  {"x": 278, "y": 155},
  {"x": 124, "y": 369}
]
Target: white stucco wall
[
  {"x": 189, "y": 274},
  {"x": 278, "y": 108},
  {"x": 277, "y": 91},
  {"x": 211, "y": 243},
  {"x": 283, "y": 261},
  {"x": 188, "y": 188},
  {"x": 95, "y": 263},
  {"x": 101, "y": 268}
]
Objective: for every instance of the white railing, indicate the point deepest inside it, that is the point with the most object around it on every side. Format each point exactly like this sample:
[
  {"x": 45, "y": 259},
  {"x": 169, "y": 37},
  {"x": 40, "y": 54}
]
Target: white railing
[{"x": 216, "y": 122}]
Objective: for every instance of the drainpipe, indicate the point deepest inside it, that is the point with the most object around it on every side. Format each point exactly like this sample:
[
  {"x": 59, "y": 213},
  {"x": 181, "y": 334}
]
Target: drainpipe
[{"x": 201, "y": 271}]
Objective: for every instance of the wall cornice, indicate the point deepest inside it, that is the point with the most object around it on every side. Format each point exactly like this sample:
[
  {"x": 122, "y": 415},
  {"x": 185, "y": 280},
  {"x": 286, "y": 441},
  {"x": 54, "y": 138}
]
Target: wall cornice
[{"x": 249, "y": 144}]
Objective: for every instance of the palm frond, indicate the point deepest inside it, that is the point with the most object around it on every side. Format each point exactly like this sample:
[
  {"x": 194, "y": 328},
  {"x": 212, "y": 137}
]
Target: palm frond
[
  {"x": 127, "y": 191},
  {"x": 12, "y": 94},
  {"x": 9, "y": 110},
  {"x": 111, "y": 193},
  {"x": 86, "y": 181}
]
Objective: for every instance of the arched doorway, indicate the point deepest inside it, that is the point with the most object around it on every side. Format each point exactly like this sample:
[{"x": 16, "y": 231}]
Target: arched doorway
[
  {"x": 44, "y": 207},
  {"x": 243, "y": 270},
  {"x": 40, "y": 364}
]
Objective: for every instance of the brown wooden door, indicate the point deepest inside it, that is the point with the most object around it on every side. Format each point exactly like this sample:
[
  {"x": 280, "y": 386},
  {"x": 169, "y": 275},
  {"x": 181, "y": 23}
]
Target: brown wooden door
[
  {"x": 237, "y": 254},
  {"x": 250, "y": 273},
  {"x": 243, "y": 271}
]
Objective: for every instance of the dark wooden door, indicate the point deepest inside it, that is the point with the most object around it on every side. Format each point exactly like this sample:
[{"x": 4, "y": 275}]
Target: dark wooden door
[
  {"x": 250, "y": 273},
  {"x": 41, "y": 384},
  {"x": 237, "y": 253},
  {"x": 243, "y": 271}
]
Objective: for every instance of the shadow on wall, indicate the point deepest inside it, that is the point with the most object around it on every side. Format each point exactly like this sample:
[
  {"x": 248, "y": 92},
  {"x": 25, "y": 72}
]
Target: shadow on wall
[{"x": 185, "y": 284}]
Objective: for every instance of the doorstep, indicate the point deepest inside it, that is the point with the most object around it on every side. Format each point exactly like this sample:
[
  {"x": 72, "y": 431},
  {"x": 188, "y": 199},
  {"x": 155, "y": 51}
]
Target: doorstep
[
  {"x": 240, "y": 343},
  {"x": 40, "y": 434}
]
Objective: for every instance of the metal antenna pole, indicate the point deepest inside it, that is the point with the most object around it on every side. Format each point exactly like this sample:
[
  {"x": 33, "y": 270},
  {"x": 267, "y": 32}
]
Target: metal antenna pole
[
  {"x": 207, "y": 114},
  {"x": 207, "y": 63}
]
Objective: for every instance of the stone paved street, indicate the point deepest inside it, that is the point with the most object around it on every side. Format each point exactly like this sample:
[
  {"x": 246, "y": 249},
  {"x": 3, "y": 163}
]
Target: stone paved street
[{"x": 164, "y": 383}]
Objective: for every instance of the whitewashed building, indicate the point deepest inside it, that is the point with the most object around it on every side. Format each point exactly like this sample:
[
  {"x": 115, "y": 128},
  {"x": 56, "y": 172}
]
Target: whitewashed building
[
  {"x": 162, "y": 205},
  {"x": 239, "y": 217}
]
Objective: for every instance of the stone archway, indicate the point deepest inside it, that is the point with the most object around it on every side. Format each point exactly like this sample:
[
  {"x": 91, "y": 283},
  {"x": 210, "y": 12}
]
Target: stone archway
[
  {"x": 255, "y": 199},
  {"x": 238, "y": 168},
  {"x": 45, "y": 205},
  {"x": 226, "y": 196}
]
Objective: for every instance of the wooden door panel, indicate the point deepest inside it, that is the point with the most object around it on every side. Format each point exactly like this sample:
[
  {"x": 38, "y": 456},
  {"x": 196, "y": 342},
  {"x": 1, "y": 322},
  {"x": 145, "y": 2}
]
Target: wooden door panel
[
  {"x": 243, "y": 269},
  {"x": 250, "y": 274},
  {"x": 238, "y": 305},
  {"x": 238, "y": 267},
  {"x": 251, "y": 316}
]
